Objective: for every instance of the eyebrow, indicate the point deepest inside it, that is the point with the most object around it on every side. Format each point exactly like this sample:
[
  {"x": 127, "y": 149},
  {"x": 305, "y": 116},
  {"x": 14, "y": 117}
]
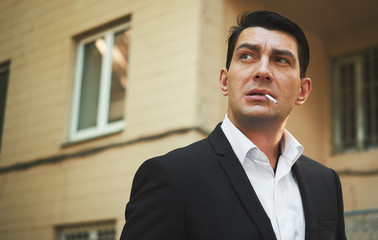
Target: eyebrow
[
  {"x": 250, "y": 46},
  {"x": 275, "y": 51}
]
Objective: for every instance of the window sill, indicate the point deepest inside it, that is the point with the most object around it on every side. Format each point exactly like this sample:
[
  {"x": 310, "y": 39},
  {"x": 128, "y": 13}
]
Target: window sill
[{"x": 94, "y": 133}]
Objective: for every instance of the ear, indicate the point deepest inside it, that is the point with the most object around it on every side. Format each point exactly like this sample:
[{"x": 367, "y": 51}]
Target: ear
[
  {"x": 304, "y": 91},
  {"x": 223, "y": 79}
]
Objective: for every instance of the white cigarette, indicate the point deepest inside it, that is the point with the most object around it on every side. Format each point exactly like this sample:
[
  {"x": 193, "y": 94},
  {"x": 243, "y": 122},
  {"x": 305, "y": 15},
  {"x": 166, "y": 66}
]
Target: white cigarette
[{"x": 271, "y": 98}]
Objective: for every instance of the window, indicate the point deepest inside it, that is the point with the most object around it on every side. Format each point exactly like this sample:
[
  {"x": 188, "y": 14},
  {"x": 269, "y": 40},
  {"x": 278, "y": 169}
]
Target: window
[
  {"x": 100, "y": 83},
  {"x": 355, "y": 101},
  {"x": 95, "y": 231},
  {"x": 4, "y": 78}
]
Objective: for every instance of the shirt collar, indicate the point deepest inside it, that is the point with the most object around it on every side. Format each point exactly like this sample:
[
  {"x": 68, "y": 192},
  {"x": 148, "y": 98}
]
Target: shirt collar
[
  {"x": 238, "y": 141},
  {"x": 291, "y": 149}
]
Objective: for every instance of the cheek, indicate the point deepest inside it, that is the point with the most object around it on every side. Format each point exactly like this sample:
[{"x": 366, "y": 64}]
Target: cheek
[
  {"x": 234, "y": 83},
  {"x": 241, "y": 71},
  {"x": 289, "y": 86}
]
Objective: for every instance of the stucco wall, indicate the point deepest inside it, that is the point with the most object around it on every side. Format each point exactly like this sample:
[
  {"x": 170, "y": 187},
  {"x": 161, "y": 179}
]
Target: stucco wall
[
  {"x": 37, "y": 37},
  {"x": 91, "y": 184}
]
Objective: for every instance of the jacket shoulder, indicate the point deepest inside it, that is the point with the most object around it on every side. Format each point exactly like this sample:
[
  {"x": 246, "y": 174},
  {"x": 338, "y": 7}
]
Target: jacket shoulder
[
  {"x": 310, "y": 166},
  {"x": 194, "y": 154},
  {"x": 306, "y": 161},
  {"x": 201, "y": 151}
]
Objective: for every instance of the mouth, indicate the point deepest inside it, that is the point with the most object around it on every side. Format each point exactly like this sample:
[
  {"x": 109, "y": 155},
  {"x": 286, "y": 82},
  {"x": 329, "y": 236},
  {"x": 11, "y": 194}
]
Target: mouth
[
  {"x": 254, "y": 94},
  {"x": 258, "y": 92},
  {"x": 261, "y": 95}
]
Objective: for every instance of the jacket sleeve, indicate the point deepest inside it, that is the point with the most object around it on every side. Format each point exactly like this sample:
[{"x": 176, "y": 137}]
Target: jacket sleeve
[
  {"x": 341, "y": 225},
  {"x": 155, "y": 209}
]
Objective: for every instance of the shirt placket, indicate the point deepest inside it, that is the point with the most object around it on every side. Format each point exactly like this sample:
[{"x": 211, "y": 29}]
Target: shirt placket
[{"x": 264, "y": 172}]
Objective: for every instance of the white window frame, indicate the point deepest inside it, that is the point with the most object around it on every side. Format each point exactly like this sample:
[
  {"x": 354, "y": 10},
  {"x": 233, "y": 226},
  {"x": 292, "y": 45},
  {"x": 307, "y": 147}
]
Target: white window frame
[
  {"x": 103, "y": 127},
  {"x": 92, "y": 229}
]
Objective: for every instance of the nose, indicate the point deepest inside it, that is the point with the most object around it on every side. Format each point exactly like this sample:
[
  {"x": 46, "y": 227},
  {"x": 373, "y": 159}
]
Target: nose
[{"x": 262, "y": 71}]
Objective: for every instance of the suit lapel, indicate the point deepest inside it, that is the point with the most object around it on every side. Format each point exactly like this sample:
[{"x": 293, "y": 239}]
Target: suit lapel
[
  {"x": 299, "y": 171},
  {"x": 241, "y": 184}
]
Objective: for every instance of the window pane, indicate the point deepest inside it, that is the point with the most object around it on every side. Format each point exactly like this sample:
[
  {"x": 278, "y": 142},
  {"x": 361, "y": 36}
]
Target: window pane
[
  {"x": 106, "y": 234},
  {"x": 90, "y": 231},
  {"x": 4, "y": 75},
  {"x": 77, "y": 236},
  {"x": 370, "y": 99},
  {"x": 348, "y": 109},
  {"x": 119, "y": 76},
  {"x": 90, "y": 84},
  {"x": 373, "y": 100}
]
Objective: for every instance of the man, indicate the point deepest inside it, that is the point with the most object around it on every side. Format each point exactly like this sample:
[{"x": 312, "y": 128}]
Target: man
[{"x": 248, "y": 179}]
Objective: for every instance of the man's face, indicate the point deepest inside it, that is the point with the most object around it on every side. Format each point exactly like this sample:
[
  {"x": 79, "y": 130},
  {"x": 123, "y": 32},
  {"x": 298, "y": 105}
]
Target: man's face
[{"x": 264, "y": 62}]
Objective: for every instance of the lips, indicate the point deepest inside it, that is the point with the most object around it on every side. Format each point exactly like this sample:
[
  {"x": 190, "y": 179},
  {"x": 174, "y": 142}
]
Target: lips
[{"x": 258, "y": 92}]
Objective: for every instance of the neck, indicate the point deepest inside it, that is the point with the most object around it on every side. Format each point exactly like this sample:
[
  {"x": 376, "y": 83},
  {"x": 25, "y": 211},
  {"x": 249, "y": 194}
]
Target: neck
[{"x": 266, "y": 137}]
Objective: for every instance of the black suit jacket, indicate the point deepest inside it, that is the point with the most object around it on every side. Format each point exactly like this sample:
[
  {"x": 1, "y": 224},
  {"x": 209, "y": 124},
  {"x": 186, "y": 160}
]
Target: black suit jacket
[{"x": 201, "y": 192}]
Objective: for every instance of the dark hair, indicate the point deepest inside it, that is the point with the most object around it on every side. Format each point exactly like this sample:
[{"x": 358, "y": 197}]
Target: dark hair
[{"x": 270, "y": 21}]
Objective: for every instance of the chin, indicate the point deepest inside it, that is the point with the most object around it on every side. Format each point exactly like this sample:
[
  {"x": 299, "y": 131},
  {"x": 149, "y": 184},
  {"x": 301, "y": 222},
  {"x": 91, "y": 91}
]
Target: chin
[{"x": 260, "y": 117}]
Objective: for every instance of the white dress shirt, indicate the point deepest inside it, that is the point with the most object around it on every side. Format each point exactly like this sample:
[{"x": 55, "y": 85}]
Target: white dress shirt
[{"x": 278, "y": 192}]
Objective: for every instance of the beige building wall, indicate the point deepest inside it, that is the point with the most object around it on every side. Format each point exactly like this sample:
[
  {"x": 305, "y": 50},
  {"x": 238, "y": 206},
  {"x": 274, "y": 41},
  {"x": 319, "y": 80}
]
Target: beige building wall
[
  {"x": 77, "y": 191},
  {"x": 37, "y": 36},
  {"x": 46, "y": 181},
  {"x": 173, "y": 98}
]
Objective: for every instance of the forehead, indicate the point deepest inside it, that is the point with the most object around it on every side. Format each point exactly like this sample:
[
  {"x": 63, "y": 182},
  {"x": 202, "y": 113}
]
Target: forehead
[{"x": 268, "y": 39}]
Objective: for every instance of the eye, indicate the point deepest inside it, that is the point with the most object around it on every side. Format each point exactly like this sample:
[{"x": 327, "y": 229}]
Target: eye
[
  {"x": 283, "y": 60},
  {"x": 246, "y": 56}
]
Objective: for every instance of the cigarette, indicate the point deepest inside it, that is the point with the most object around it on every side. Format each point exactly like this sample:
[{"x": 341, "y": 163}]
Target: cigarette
[{"x": 271, "y": 98}]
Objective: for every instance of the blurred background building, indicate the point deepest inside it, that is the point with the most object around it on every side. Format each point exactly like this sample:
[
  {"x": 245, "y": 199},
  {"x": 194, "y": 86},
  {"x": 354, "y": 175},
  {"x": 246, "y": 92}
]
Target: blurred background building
[{"x": 91, "y": 89}]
